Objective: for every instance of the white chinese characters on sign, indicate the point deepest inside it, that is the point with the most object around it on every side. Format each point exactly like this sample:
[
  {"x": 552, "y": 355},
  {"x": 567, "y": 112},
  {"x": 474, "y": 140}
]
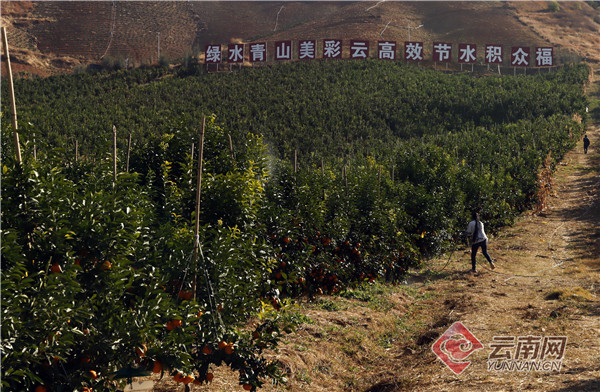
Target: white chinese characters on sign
[
  {"x": 544, "y": 57},
  {"x": 519, "y": 56},
  {"x": 332, "y": 49},
  {"x": 359, "y": 49},
  {"x": 467, "y": 53},
  {"x": 283, "y": 50},
  {"x": 307, "y": 50},
  {"x": 493, "y": 54},
  {"x": 236, "y": 53},
  {"x": 212, "y": 54},
  {"x": 258, "y": 52},
  {"x": 386, "y": 50},
  {"x": 413, "y": 51},
  {"x": 442, "y": 51}
]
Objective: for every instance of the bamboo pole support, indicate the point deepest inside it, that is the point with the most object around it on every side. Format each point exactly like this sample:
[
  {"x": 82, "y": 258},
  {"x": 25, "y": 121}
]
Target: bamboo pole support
[
  {"x": 128, "y": 153},
  {"x": 379, "y": 182},
  {"x": 323, "y": 174},
  {"x": 231, "y": 150},
  {"x": 114, "y": 154},
  {"x": 76, "y": 150},
  {"x": 197, "y": 217},
  {"x": 13, "y": 105},
  {"x": 192, "y": 154},
  {"x": 295, "y": 161}
]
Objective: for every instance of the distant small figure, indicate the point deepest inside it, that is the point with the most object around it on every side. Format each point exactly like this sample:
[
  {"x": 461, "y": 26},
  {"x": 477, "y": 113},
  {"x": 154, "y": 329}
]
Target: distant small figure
[
  {"x": 478, "y": 239},
  {"x": 586, "y": 144}
]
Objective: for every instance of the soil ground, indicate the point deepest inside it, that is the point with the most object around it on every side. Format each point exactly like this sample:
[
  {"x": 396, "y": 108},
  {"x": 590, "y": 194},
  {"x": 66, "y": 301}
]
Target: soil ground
[{"x": 546, "y": 283}]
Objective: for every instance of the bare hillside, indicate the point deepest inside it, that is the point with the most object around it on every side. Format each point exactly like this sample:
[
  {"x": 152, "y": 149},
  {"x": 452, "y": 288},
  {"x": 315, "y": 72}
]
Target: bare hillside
[{"x": 47, "y": 37}]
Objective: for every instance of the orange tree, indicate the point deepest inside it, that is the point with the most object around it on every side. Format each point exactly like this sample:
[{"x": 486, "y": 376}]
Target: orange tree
[{"x": 97, "y": 279}]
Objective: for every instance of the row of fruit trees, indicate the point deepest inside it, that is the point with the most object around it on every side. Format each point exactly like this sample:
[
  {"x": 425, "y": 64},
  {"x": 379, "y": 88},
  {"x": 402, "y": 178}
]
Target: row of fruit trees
[{"x": 99, "y": 279}]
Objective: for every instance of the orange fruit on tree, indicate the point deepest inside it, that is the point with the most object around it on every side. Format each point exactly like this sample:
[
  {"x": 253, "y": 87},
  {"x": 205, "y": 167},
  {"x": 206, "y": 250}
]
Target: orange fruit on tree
[
  {"x": 106, "y": 265},
  {"x": 247, "y": 387},
  {"x": 85, "y": 359},
  {"x": 229, "y": 349},
  {"x": 222, "y": 344},
  {"x": 209, "y": 377},
  {"x": 141, "y": 350},
  {"x": 178, "y": 377},
  {"x": 40, "y": 388},
  {"x": 93, "y": 374},
  {"x": 207, "y": 350},
  {"x": 187, "y": 379},
  {"x": 55, "y": 269},
  {"x": 197, "y": 382},
  {"x": 176, "y": 323},
  {"x": 186, "y": 295},
  {"x": 169, "y": 326},
  {"x": 157, "y": 367}
]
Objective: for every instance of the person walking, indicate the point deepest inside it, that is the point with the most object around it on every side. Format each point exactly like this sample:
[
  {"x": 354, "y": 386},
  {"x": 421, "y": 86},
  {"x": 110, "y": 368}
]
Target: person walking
[
  {"x": 586, "y": 144},
  {"x": 478, "y": 238}
]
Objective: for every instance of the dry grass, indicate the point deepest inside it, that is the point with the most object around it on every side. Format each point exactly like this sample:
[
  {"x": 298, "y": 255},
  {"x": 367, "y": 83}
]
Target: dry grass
[{"x": 73, "y": 32}]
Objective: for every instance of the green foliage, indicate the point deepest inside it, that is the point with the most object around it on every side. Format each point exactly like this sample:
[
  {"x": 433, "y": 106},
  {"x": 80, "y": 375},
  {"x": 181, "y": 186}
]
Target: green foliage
[
  {"x": 392, "y": 159},
  {"x": 92, "y": 270},
  {"x": 553, "y": 6}
]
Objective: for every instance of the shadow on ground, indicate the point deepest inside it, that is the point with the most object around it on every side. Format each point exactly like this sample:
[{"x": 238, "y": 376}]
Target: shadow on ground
[
  {"x": 581, "y": 386},
  {"x": 585, "y": 244}
]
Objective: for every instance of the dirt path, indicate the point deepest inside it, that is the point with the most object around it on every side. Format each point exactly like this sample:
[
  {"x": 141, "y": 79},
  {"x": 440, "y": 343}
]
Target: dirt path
[{"x": 547, "y": 283}]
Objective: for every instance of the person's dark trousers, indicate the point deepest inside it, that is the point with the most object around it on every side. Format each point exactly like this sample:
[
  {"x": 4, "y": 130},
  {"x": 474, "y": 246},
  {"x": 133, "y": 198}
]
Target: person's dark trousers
[{"x": 474, "y": 248}]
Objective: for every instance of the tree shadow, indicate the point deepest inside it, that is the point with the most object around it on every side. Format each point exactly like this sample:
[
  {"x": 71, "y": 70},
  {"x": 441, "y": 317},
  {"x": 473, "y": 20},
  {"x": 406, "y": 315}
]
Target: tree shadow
[
  {"x": 581, "y": 386},
  {"x": 585, "y": 243}
]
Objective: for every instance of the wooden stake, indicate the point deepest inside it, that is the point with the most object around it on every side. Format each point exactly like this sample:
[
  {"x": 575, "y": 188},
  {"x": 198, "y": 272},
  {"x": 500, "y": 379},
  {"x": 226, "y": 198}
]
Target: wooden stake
[
  {"x": 379, "y": 182},
  {"x": 323, "y": 174},
  {"x": 76, "y": 150},
  {"x": 13, "y": 105},
  {"x": 231, "y": 148},
  {"x": 295, "y": 161},
  {"x": 114, "y": 154},
  {"x": 197, "y": 217},
  {"x": 128, "y": 153},
  {"x": 192, "y": 154}
]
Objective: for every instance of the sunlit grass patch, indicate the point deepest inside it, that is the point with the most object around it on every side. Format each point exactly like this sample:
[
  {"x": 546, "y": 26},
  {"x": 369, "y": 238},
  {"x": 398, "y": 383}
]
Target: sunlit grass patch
[{"x": 572, "y": 293}]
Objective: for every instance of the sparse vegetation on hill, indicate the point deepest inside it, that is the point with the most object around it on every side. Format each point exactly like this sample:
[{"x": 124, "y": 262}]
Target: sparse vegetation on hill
[{"x": 56, "y": 37}]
